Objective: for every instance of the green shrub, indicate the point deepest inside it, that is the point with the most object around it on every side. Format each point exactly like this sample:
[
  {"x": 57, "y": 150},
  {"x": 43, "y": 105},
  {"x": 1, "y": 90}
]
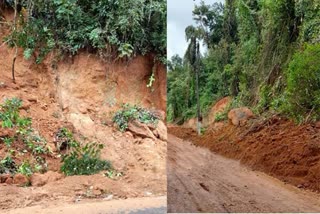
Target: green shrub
[
  {"x": 65, "y": 139},
  {"x": 10, "y": 119},
  {"x": 303, "y": 84},
  {"x": 84, "y": 160},
  {"x": 25, "y": 168},
  {"x": 124, "y": 27},
  {"x": 8, "y": 166},
  {"x": 129, "y": 113},
  {"x": 221, "y": 116},
  {"x": 9, "y": 114}
]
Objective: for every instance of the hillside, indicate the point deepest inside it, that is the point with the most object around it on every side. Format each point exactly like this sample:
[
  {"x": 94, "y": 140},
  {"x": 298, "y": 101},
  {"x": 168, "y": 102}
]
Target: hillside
[{"x": 62, "y": 113}]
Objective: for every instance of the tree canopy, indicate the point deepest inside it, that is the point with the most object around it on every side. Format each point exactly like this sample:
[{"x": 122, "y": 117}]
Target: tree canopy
[
  {"x": 111, "y": 27},
  {"x": 259, "y": 52}
]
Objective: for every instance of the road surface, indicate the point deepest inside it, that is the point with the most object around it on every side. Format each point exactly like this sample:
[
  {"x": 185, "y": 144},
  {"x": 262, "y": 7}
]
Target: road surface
[
  {"x": 130, "y": 206},
  {"x": 201, "y": 181}
]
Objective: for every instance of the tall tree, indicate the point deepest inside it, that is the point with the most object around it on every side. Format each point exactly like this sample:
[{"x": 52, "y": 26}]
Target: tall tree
[{"x": 192, "y": 56}]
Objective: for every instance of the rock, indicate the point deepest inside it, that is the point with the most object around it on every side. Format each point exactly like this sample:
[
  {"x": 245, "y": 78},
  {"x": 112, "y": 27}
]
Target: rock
[
  {"x": 25, "y": 105},
  {"x": 128, "y": 135},
  {"x": 83, "y": 123},
  {"x": 96, "y": 192},
  {"x": 160, "y": 114},
  {"x": 162, "y": 130},
  {"x": 4, "y": 177},
  {"x": 9, "y": 181},
  {"x": 82, "y": 109},
  {"x": 239, "y": 116},
  {"x": 155, "y": 132},
  {"x": 44, "y": 107},
  {"x": 218, "y": 107},
  {"x": 108, "y": 198},
  {"x": 140, "y": 130},
  {"x": 3, "y": 85},
  {"x": 33, "y": 99},
  {"x": 20, "y": 179},
  {"x": 148, "y": 142},
  {"x": 137, "y": 140},
  {"x": 38, "y": 179}
]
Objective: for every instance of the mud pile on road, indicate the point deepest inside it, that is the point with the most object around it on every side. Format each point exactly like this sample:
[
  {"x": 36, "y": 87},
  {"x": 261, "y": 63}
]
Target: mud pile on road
[{"x": 275, "y": 146}]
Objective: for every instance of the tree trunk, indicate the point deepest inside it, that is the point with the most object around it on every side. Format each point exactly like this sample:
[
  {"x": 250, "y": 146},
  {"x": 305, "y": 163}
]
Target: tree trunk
[{"x": 199, "y": 118}]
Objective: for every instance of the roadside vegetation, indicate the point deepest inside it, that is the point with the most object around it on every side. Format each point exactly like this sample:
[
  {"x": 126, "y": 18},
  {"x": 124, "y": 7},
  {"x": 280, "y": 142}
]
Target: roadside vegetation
[
  {"x": 129, "y": 113},
  {"x": 262, "y": 53},
  {"x": 26, "y": 152}
]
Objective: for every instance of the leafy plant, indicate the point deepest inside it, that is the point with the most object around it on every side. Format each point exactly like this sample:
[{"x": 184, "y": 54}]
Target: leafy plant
[
  {"x": 8, "y": 141},
  {"x": 65, "y": 139},
  {"x": 25, "y": 168},
  {"x": 7, "y": 165},
  {"x": 129, "y": 113},
  {"x": 9, "y": 114},
  {"x": 112, "y": 174},
  {"x": 84, "y": 160},
  {"x": 303, "y": 84},
  {"x": 221, "y": 116},
  {"x": 121, "y": 27}
]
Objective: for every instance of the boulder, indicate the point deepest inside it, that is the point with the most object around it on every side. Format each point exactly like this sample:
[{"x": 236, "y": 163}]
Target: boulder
[
  {"x": 218, "y": 107},
  {"x": 25, "y": 105},
  {"x": 20, "y": 179},
  {"x": 9, "y": 181},
  {"x": 140, "y": 130},
  {"x": 240, "y": 116},
  {"x": 160, "y": 114},
  {"x": 38, "y": 179},
  {"x": 161, "y": 130},
  {"x": 4, "y": 177}
]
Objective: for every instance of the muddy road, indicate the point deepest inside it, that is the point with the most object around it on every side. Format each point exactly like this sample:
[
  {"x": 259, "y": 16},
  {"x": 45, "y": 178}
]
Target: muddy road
[{"x": 201, "y": 181}]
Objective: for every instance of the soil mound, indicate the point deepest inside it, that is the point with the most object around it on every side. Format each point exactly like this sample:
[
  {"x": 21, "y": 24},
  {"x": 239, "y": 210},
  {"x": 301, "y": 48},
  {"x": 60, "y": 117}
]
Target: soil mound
[{"x": 275, "y": 146}]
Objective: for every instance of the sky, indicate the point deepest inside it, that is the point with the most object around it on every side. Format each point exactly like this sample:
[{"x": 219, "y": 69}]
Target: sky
[{"x": 179, "y": 17}]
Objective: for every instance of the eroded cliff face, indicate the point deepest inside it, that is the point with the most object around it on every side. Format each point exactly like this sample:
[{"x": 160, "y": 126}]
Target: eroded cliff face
[
  {"x": 82, "y": 93},
  {"x": 92, "y": 84}
]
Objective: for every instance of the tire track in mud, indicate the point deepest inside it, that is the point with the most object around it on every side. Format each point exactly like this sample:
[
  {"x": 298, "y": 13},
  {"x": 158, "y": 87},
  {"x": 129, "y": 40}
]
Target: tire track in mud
[{"x": 201, "y": 181}]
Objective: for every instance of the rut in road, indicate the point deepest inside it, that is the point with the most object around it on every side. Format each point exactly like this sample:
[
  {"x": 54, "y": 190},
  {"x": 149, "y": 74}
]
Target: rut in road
[{"x": 201, "y": 181}]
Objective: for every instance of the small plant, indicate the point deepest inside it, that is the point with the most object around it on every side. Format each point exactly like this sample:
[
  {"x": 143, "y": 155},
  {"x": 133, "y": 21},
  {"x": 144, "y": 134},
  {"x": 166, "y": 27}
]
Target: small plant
[
  {"x": 65, "y": 139},
  {"x": 112, "y": 174},
  {"x": 25, "y": 168},
  {"x": 7, "y": 166},
  {"x": 129, "y": 113},
  {"x": 84, "y": 160},
  {"x": 9, "y": 114},
  {"x": 220, "y": 116},
  {"x": 8, "y": 141}
]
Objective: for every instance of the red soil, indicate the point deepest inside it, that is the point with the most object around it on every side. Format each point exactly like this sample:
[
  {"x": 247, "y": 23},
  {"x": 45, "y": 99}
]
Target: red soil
[{"x": 275, "y": 146}]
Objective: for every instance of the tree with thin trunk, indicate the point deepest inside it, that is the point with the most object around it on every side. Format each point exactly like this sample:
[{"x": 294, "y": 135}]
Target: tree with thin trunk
[{"x": 192, "y": 56}]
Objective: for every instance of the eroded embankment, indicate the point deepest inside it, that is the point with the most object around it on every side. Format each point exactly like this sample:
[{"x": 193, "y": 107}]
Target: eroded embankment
[
  {"x": 275, "y": 146},
  {"x": 82, "y": 94}
]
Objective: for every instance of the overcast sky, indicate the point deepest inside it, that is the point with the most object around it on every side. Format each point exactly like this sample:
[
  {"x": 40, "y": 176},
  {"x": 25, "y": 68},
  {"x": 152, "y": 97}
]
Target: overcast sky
[{"x": 179, "y": 17}]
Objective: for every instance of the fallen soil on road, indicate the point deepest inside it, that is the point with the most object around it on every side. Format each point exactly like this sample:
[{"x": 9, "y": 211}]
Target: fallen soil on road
[
  {"x": 201, "y": 181},
  {"x": 275, "y": 146}
]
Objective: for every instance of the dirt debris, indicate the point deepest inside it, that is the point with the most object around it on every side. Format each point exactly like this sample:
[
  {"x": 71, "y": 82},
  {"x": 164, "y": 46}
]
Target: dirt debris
[{"x": 275, "y": 146}]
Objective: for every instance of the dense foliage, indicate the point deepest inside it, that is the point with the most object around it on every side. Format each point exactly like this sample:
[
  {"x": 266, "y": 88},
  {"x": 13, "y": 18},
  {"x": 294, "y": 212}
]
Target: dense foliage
[
  {"x": 261, "y": 52},
  {"x": 112, "y": 27}
]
